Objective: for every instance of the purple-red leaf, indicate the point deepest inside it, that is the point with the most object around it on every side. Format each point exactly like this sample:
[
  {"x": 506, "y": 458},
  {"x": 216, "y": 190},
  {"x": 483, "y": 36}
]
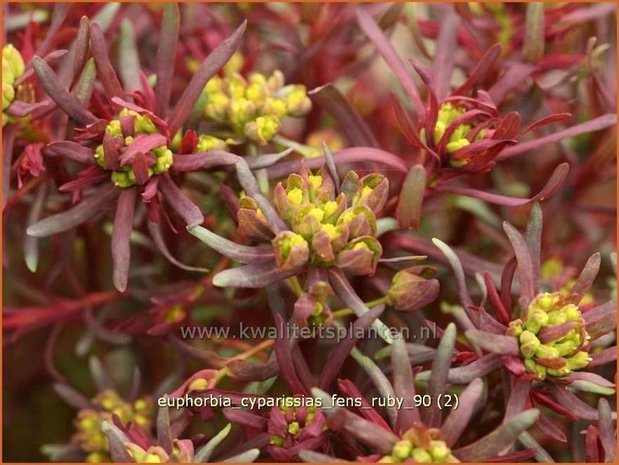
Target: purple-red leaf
[
  {"x": 345, "y": 291},
  {"x": 82, "y": 212},
  {"x": 108, "y": 76},
  {"x": 165, "y": 57},
  {"x": 154, "y": 229},
  {"x": 546, "y": 120},
  {"x": 67, "y": 102},
  {"x": 343, "y": 156},
  {"x": 403, "y": 384},
  {"x": 480, "y": 70},
  {"x": 341, "y": 351},
  {"x": 495, "y": 343},
  {"x": 365, "y": 431},
  {"x": 439, "y": 374},
  {"x": 477, "y": 369},
  {"x": 81, "y": 45},
  {"x": 185, "y": 208},
  {"x": 459, "y": 418},
  {"x": 552, "y": 185},
  {"x": 283, "y": 350},
  {"x": 501, "y": 438},
  {"x": 371, "y": 29},
  {"x": 442, "y": 64},
  {"x": 528, "y": 285},
  {"x": 252, "y": 276},
  {"x": 597, "y": 124},
  {"x": 121, "y": 237},
  {"x": 216, "y": 59},
  {"x": 117, "y": 440},
  {"x": 410, "y": 203},
  {"x": 241, "y": 253},
  {"x": 586, "y": 278},
  {"x": 513, "y": 76}
]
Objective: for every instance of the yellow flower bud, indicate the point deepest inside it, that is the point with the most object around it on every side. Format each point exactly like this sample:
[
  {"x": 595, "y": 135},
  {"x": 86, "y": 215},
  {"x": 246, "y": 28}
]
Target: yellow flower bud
[
  {"x": 144, "y": 125},
  {"x": 113, "y": 128},
  {"x": 401, "y": 450},
  {"x": 198, "y": 384},
  {"x": 387, "y": 459},
  {"x": 215, "y": 84},
  {"x": 330, "y": 230},
  {"x": 557, "y": 317},
  {"x": 295, "y": 196},
  {"x": 164, "y": 160},
  {"x": 294, "y": 427},
  {"x": 565, "y": 348},
  {"x": 263, "y": 129},
  {"x": 439, "y": 451},
  {"x": 571, "y": 312},
  {"x": 236, "y": 86},
  {"x": 13, "y": 64},
  {"x": 274, "y": 107},
  {"x": 276, "y": 80},
  {"x": 122, "y": 179},
  {"x": 240, "y": 111},
  {"x": 528, "y": 343},
  {"x": 545, "y": 351},
  {"x": 99, "y": 156},
  {"x": 457, "y": 145},
  {"x": 536, "y": 319},
  {"x": 206, "y": 143},
  {"x": 297, "y": 101},
  {"x": 532, "y": 367},
  {"x": 420, "y": 455},
  {"x": 258, "y": 78},
  {"x": 547, "y": 310},
  {"x": 578, "y": 361},
  {"x": 315, "y": 182},
  {"x": 551, "y": 267},
  {"x": 289, "y": 242},
  {"x": 515, "y": 328},
  {"x": 8, "y": 95},
  {"x": 255, "y": 92},
  {"x": 564, "y": 370},
  {"x": 317, "y": 213},
  {"x": 330, "y": 208},
  {"x": 216, "y": 106}
]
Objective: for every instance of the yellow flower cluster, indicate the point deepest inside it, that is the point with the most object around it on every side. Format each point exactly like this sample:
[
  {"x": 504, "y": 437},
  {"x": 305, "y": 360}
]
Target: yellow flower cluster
[
  {"x": 458, "y": 138},
  {"x": 409, "y": 450},
  {"x": 296, "y": 419},
  {"x": 545, "y": 350},
  {"x": 142, "y": 125},
  {"x": 107, "y": 403},
  {"x": 13, "y": 66},
  {"x": 447, "y": 114},
  {"x": 326, "y": 229},
  {"x": 254, "y": 107}
]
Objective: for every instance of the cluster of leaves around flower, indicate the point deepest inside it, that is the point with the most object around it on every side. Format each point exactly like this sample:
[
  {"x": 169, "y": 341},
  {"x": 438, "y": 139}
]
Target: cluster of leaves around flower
[{"x": 316, "y": 226}]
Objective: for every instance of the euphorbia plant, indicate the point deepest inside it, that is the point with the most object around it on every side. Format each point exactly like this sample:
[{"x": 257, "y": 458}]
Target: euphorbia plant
[
  {"x": 545, "y": 341},
  {"x": 129, "y": 144}
]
